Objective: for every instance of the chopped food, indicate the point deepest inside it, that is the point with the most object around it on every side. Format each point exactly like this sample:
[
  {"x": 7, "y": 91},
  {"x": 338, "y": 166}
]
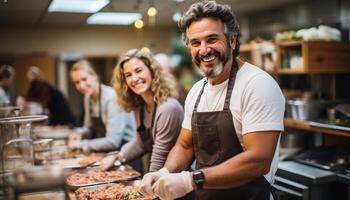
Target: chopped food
[
  {"x": 111, "y": 192},
  {"x": 98, "y": 175}
]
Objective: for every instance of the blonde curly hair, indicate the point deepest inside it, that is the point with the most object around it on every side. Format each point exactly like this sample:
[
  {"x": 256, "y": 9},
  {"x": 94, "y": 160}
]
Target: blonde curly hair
[{"x": 163, "y": 85}]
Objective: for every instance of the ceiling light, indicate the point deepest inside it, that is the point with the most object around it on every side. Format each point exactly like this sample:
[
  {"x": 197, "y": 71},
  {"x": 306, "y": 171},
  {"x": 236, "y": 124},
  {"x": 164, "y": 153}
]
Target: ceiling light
[
  {"x": 146, "y": 50},
  {"x": 138, "y": 23},
  {"x": 77, "y": 6},
  {"x": 152, "y": 11},
  {"x": 113, "y": 18},
  {"x": 179, "y": 0},
  {"x": 177, "y": 16}
]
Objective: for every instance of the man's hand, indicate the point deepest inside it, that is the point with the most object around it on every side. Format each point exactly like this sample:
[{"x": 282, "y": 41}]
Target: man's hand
[
  {"x": 172, "y": 186},
  {"x": 74, "y": 141},
  {"x": 149, "y": 179}
]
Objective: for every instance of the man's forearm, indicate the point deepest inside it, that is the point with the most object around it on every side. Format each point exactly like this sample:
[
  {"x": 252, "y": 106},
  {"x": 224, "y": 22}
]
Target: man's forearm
[
  {"x": 234, "y": 172},
  {"x": 179, "y": 159},
  {"x": 254, "y": 162}
]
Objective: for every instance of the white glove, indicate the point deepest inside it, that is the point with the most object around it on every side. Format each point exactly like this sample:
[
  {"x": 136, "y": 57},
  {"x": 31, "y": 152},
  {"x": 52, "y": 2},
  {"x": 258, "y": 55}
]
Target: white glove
[
  {"x": 172, "y": 186},
  {"x": 148, "y": 180}
]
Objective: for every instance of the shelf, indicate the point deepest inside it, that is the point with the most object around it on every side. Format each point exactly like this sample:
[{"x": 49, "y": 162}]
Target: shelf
[
  {"x": 304, "y": 125},
  {"x": 290, "y": 71},
  {"x": 290, "y": 43},
  {"x": 259, "y": 54},
  {"x": 313, "y": 57}
]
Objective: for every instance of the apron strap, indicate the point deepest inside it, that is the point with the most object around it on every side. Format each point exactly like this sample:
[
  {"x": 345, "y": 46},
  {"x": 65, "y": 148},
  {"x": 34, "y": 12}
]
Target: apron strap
[
  {"x": 200, "y": 95},
  {"x": 273, "y": 193},
  {"x": 231, "y": 84},
  {"x": 99, "y": 104}
]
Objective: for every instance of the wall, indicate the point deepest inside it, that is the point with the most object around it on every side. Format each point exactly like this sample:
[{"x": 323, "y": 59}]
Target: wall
[
  {"x": 303, "y": 14},
  {"x": 85, "y": 40}
]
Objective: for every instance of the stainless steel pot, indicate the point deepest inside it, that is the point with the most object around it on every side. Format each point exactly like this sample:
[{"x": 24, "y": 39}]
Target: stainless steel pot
[
  {"x": 9, "y": 111},
  {"x": 307, "y": 109},
  {"x": 14, "y": 132}
]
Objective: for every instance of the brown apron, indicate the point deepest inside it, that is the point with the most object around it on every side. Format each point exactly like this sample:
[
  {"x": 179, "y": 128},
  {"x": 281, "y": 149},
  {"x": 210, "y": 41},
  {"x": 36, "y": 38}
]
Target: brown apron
[
  {"x": 215, "y": 141},
  {"x": 146, "y": 133},
  {"x": 97, "y": 127}
]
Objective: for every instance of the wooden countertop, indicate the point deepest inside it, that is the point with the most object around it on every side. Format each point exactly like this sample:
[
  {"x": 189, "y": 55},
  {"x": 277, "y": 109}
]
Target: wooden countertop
[{"x": 304, "y": 125}]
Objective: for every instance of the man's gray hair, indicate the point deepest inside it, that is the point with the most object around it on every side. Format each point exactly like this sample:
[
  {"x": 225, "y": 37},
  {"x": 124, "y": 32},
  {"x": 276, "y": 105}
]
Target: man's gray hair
[{"x": 209, "y": 8}]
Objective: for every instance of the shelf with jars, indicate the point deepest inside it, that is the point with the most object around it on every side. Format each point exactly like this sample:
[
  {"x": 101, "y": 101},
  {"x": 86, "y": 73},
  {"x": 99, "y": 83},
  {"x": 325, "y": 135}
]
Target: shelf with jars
[
  {"x": 301, "y": 57},
  {"x": 261, "y": 54}
]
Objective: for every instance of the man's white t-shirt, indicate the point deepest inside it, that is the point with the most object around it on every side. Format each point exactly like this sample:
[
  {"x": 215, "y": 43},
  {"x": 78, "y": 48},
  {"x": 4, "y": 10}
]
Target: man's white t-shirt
[{"x": 257, "y": 104}]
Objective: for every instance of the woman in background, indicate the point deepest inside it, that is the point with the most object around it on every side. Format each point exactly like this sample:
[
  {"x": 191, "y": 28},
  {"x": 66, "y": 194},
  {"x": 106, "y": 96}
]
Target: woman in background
[
  {"x": 144, "y": 88},
  {"x": 49, "y": 98},
  {"x": 104, "y": 124}
]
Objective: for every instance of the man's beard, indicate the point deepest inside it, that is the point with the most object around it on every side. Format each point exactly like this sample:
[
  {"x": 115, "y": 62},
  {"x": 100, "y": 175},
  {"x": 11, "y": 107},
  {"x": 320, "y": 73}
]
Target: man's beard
[{"x": 218, "y": 69}]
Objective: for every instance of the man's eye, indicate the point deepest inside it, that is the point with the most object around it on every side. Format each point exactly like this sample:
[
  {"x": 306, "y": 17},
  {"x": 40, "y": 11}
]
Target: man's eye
[
  {"x": 195, "y": 44},
  {"x": 212, "y": 40}
]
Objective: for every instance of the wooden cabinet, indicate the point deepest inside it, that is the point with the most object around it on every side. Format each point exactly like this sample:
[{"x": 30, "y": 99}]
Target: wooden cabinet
[
  {"x": 21, "y": 63},
  {"x": 301, "y": 57},
  {"x": 261, "y": 54}
]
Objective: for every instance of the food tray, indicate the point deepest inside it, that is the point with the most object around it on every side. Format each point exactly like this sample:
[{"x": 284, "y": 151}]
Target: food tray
[
  {"x": 48, "y": 144},
  {"x": 109, "y": 193},
  {"x": 75, "y": 163},
  {"x": 42, "y": 157},
  {"x": 52, "y": 132},
  {"x": 95, "y": 176}
]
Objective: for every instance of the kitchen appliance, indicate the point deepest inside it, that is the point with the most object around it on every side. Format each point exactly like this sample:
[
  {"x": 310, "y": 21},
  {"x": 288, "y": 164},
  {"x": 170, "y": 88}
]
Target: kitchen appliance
[
  {"x": 13, "y": 129},
  {"x": 9, "y": 111},
  {"x": 328, "y": 158},
  {"x": 16, "y": 144},
  {"x": 296, "y": 181},
  {"x": 39, "y": 182}
]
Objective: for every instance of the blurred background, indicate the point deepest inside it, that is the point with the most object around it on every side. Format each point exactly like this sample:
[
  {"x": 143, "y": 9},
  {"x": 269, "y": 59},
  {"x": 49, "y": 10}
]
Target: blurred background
[
  {"x": 50, "y": 36},
  {"x": 303, "y": 44}
]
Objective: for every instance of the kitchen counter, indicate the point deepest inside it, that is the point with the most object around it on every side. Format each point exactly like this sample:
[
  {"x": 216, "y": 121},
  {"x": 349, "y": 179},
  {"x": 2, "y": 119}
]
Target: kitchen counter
[{"x": 312, "y": 126}]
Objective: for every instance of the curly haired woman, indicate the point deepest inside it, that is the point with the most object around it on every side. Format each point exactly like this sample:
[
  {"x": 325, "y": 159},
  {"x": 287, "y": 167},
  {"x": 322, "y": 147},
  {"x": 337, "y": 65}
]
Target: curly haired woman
[{"x": 143, "y": 87}]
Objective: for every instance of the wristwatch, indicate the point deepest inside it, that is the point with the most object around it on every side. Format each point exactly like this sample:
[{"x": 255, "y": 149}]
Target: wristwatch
[{"x": 198, "y": 178}]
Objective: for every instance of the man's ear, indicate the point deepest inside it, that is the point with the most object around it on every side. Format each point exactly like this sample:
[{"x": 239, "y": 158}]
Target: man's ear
[{"x": 233, "y": 42}]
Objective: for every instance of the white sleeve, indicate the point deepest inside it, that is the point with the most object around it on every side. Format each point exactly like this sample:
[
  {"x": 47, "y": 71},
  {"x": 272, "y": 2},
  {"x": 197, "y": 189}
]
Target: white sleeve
[{"x": 263, "y": 105}]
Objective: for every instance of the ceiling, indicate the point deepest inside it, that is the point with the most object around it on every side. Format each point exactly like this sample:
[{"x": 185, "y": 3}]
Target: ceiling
[{"x": 34, "y": 12}]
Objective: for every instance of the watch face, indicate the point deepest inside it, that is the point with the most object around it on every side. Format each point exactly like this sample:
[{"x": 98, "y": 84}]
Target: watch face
[{"x": 198, "y": 177}]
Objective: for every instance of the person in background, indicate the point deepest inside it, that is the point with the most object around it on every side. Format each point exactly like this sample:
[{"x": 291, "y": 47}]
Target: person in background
[
  {"x": 49, "y": 98},
  {"x": 165, "y": 62},
  {"x": 233, "y": 118},
  {"x": 144, "y": 88},
  {"x": 105, "y": 125},
  {"x": 35, "y": 73},
  {"x": 7, "y": 74}
]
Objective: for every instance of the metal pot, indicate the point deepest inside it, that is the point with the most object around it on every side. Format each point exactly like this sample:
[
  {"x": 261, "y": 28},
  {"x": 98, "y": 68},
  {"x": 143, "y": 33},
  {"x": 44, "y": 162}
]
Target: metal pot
[
  {"x": 307, "y": 109},
  {"x": 9, "y": 111},
  {"x": 14, "y": 132}
]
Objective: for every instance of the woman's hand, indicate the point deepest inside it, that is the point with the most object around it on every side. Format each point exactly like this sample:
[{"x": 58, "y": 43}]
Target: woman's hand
[
  {"x": 74, "y": 141},
  {"x": 108, "y": 162}
]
